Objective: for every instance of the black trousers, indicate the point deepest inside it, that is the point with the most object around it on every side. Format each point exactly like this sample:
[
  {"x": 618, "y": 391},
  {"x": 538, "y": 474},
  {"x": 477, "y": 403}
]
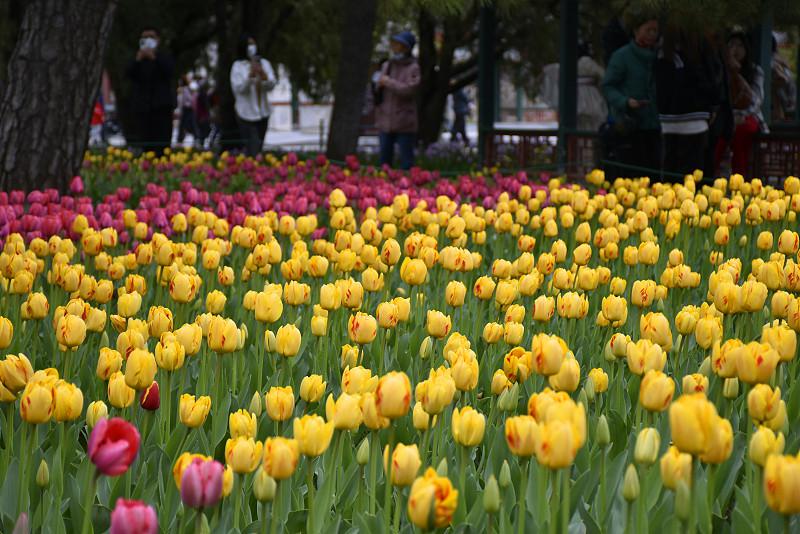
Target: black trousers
[
  {"x": 153, "y": 130},
  {"x": 253, "y": 133},
  {"x": 634, "y": 155},
  {"x": 683, "y": 154}
]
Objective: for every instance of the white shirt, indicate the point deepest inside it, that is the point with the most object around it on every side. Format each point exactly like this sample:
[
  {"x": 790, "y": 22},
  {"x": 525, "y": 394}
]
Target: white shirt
[{"x": 251, "y": 93}]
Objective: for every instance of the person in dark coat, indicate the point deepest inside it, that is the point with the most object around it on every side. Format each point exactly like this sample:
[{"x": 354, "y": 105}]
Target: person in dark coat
[
  {"x": 152, "y": 94},
  {"x": 630, "y": 90},
  {"x": 687, "y": 93},
  {"x": 460, "y": 112},
  {"x": 395, "y": 87}
]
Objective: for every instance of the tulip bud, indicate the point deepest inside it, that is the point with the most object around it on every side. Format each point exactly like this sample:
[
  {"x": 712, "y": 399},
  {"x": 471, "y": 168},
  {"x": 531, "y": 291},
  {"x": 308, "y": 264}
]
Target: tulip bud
[
  {"x": 630, "y": 485},
  {"x": 683, "y": 500},
  {"x": 705, "y": 367},
  {"x": 730, "y": 388},
  {"x": 588, "y": 391},
  {"x": 150, "y": 399},
  {"x": 602, "y": 434},
  {"x": 505, "y": 475},
  {"x": 255, "y": 405},
  {"x": 426, "y": 348},
  {"x": 583, "y": 398},
  {"x": 647, "y": 444},
  {"x": 94, "y": 412},
  {"x": 362, "y": 454},
  {"x": 441, "y": 469},
  {"x": 743, "y": 241},
  {"x": 43, "y": 475},
  {"x": 509, "y": 399},
  {"x": 264, "y": 486},
  {"x": 204, "y": 527},
  {"x": 104, "y": 340},
  {"x": 491, "y": 496}
]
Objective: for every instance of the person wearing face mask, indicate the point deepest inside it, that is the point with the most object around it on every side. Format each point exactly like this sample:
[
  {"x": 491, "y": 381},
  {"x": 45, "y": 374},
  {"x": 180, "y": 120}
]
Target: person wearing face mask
[
  {"x": 252, "y": 78},
  {"x": 153, "y": 96},
  {"x": 630, "y": 90},
  {"x": 395, "y": 96},
  {"x": 746, "y": 91}
]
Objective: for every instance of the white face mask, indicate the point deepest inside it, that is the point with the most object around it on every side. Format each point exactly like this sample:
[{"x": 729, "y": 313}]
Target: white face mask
[
  {"x": 148, "y": 43},
  {"x": 398, "y": 55},
  {"x": 251, "y": 50}
]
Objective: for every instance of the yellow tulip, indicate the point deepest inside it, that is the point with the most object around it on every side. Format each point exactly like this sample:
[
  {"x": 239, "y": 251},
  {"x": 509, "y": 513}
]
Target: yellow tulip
[
  {"x": 312, "y": 388},
  {"x": 279, "y": 403},
  {"x": 362, "y": 328},
  {"x": 764, "y": 443},
  {"x": 522, "y": 435},
  {"x": 344, "y": 412},
  {"x": 140, "y": 369},
  {"x": 781, "y": 474},
  {"x": 243, "y": 454},
  {"x": 432, "y": 501},
  {"x": 313, "y": 434},
  {"x": 675, "y": 466},
  {"x": 405, "y": 464},
  {"x": 468, "y": 426},
  {"x": 193, "y": 412},
  {"x": 242, "y": 423}
]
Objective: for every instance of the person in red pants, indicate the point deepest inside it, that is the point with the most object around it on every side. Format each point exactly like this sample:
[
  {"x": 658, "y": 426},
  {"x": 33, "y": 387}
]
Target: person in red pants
[{"x": 746, "y": 96}]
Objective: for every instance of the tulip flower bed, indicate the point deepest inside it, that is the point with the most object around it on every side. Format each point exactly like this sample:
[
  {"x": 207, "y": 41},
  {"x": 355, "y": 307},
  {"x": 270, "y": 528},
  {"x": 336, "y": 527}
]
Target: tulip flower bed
[{"x": 354, "y": 350}]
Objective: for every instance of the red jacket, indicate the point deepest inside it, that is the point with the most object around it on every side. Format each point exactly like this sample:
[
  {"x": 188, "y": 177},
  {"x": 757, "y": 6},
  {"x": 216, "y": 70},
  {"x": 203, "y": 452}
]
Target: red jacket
[{"x": 397, "y": 112}]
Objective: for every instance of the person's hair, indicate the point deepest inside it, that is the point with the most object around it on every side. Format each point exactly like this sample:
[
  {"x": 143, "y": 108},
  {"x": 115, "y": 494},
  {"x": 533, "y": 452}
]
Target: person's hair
[
  {"x": 638, "y": 16},
  {"x": 584, "y": 49},
  {"x": 748, "y": 71},
  {"x": 241, "y": 46},
  {"x": 150, "y": 28},
  {"x": 691, "y": 45}
]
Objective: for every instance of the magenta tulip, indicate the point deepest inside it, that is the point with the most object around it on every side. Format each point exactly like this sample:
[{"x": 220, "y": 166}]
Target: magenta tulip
[
  {"x": 133, "y": 517},
  {"x": 113, "y": 446},
  {"x": 201, "y": 483}
]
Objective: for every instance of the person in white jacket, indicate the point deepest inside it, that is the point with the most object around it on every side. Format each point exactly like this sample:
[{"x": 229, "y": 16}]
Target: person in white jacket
[{"x": 252, "y": 78}]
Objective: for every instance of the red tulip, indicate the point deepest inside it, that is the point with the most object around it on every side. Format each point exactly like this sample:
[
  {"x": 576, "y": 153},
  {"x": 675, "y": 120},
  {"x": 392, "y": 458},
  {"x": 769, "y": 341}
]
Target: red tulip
[
  {"x": 151, "y": 397},
  {"x": 113, "y": 446},
  {"x": 201, "y": 483},
  {"x": 133, "y": 517}
]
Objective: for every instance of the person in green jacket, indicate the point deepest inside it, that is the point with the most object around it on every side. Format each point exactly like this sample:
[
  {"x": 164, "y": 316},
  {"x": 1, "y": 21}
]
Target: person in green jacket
[{"x": 629, "y": 87}]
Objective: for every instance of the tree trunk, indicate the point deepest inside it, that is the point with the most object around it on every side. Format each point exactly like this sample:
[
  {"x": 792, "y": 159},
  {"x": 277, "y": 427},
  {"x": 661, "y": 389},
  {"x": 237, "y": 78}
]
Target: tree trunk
[
  {"x": 358, "y": 23},
  {"x": 226, "y": 44},
  {"x": 54, "y": 73},
  {"x": 436, "y": 67}
]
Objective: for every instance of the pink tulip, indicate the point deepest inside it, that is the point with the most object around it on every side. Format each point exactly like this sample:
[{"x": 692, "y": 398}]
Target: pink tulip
[
  {"x": 76, "y": 185},
  {"x": 133, "y": 517},
  {"x": 201, "y": 483},
  {"x": 113, "y": 446}
]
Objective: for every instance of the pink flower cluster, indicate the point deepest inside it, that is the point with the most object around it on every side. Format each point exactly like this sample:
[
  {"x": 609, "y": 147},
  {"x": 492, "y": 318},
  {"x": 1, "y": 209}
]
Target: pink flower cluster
[{"x": 291, "y": 187}]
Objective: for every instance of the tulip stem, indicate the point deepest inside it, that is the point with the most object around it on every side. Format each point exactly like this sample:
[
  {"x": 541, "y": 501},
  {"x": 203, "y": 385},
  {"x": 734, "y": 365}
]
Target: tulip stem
[
  {"x": 198, "y": 521},
  {"x": 756, "y": 498},
  {"x": 710, "y": 495},
  {"x": 374, "y": 452},
  {"x": 88, "y": 502},
  {"x": 555, "y": 481},
  {"x": 25, "y": 452},
  {"x": 387, "y": 500},
  {"x": 602, "y": 515},
  {"x": 462, "y": 474},
  {"x": 565, "y": 500},
  {"x": 238, "y": 482},
  {"x": 9, "y": 437},
  {"x": 310, "y": 484},
  {"x": 264, "y": 522},
  {"x": 167, "y": 402},
  {"x": 541, "y": 493},
  {"x": 275, "y": 508},
  {"x": 787, "y": 519},
  {"x": 640, "y": 502},
  {"x": 523, "y": 483},
  {"x": 398, "y": 503}
]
